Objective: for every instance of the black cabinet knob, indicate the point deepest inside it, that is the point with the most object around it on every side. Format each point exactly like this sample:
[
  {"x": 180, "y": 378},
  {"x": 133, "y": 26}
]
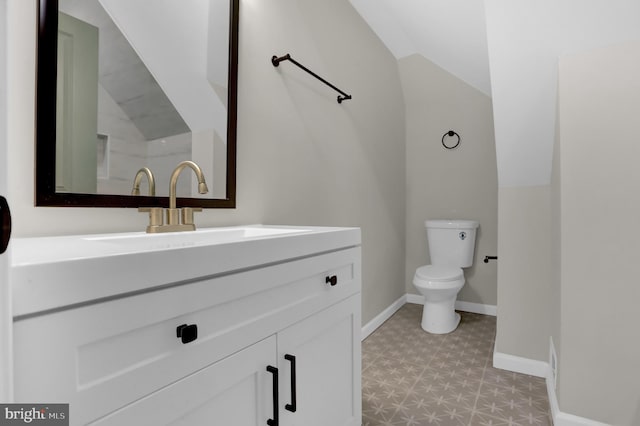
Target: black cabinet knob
[
  {"x": 333, "y": 280},
  {"x": 187, "y": 333}
]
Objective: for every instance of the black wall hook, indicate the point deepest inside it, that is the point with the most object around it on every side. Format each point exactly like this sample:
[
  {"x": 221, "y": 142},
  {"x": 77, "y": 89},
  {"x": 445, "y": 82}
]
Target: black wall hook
[{"x": 451, "y": 134}]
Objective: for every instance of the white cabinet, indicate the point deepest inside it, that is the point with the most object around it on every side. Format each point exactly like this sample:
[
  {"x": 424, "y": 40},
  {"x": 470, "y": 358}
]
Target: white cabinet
[
  {"x": 325, "y": 351},
  {"x": 120, "y": 361}
]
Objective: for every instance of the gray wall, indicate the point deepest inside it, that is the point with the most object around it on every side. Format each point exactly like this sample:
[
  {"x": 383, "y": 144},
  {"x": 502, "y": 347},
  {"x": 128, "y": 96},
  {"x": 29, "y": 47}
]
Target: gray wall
[
  {"x": 449, "y": 184},
  {"x": 302, "y": 157},
  {"x": 555, "y": 278},
  {"x": 599, "y": 95},
  {"x": 569, "y": 251},
  {"x": 524, "y": 243}
]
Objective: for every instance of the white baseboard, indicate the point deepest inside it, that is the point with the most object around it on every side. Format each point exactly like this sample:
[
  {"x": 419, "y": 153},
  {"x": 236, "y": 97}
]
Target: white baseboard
[
  {"x": 542, "y": 369},
  {"x": 416, "y": 299},
  {"x": 371, "y": 326},
  {"x": 560, "y": 418},
  {"x": 564, "y": 419},
  {"x": 518, "y": 364},
  {"x": 476, "y": 308}
]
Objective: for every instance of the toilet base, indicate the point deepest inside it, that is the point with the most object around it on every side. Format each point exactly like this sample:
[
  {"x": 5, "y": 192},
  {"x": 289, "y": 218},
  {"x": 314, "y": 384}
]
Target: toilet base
[{"x": 439, "y": 318}]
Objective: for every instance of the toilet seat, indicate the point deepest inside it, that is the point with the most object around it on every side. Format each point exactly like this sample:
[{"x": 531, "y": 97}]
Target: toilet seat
[{"x": 438, "y": 276}]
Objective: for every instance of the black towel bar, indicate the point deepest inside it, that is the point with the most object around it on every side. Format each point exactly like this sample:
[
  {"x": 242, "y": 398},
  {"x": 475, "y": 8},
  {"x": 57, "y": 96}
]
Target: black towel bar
[{"x": 276, "y": 61}]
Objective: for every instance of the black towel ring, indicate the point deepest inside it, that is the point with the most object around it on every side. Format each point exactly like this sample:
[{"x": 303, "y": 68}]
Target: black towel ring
[{"x": 451, "y": 134}]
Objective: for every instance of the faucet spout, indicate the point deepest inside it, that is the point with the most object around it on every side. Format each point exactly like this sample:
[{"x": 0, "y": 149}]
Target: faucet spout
[
  {"x": 177, "y": 219},
  {"x": 136, "y": 181},
  {"x": 202, "y": 186}
]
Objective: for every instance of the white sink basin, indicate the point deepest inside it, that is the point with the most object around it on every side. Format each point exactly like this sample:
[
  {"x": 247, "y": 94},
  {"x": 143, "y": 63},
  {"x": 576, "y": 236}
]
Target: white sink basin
[{"x": 137, "y": 241}]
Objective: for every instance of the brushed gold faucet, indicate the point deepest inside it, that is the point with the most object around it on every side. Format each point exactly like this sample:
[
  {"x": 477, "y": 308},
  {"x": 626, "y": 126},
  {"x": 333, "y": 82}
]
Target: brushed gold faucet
[
  {"x": 177, "y": 219},
  {"x": 136, "y": 182},
  {"x": 173, "y": 213}
]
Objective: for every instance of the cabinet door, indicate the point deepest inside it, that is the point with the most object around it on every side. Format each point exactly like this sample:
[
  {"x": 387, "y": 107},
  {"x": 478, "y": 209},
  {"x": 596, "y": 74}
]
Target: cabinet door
[
  {"x": 326, "y": 347},
  {"x": 237, "y": 390}
]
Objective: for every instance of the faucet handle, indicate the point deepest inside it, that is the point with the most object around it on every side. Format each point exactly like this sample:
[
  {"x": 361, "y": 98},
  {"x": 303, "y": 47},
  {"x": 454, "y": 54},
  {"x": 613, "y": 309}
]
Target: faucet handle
[
  {"x": 187, "y": 214},
  {"x": 173, "y": 216},
  {"x": 155, "y": 215}
]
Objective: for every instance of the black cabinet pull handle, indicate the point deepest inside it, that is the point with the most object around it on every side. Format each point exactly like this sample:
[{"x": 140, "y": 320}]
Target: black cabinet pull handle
[
  {"x": 292, "y": 407},
  {"x": 187, "y": 333},
  {"x": 276, "y": 418},
  {"x": 5, "y": 224},
  {"x": 333, "y": 280}
]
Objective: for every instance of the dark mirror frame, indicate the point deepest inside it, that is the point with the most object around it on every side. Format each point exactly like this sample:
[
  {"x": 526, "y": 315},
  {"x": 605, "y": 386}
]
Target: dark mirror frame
[{"x": 45, "y": 157}]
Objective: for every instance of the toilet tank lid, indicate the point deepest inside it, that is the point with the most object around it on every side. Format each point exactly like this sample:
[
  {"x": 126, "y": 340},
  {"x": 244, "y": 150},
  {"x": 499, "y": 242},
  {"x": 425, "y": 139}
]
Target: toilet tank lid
[{"x": 451, "y": 224}]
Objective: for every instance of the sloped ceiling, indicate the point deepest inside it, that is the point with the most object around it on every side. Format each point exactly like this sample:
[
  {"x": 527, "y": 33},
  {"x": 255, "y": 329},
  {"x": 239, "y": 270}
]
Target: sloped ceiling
[
  {"x": 450, "y": 33},
  {"x": 126, "y": 78},
  {"x": 172, "y": 39},
  {"x": 508, "y": 49},
  {"x": 525, "y": 40}
]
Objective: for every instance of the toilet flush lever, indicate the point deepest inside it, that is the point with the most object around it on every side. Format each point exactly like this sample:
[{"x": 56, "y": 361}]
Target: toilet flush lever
[{"x": 462, "y": 235}]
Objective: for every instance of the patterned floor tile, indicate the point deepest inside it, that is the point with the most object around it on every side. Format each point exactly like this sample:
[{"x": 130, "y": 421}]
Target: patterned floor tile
[
  {"x": 381, "y": 402},
  {"x": 487, "y": 420},
  {"x": 434, "y": 415},
  {"x": 508, "y": 379},
  {"x": 413, "y": 378},
  {"x": 512, "y": 403}
]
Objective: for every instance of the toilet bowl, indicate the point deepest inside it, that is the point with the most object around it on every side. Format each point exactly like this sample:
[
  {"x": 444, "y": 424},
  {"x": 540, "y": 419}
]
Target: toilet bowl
[
  {"x": 439, "y": 285},
  {"x": 451, "y": 245}
]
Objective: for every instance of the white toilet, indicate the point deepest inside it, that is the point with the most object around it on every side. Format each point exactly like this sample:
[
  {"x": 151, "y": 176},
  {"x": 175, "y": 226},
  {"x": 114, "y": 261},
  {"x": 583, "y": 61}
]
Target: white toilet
[{"x": 451, "y": 245}]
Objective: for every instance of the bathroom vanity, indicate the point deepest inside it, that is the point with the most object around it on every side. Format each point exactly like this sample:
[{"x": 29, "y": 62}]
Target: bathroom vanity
[{"x": 229, "y": 326}]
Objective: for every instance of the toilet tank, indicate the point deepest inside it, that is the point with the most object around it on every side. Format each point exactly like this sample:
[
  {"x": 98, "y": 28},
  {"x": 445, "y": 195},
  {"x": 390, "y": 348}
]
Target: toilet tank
[{"x": 451, "y": 242}]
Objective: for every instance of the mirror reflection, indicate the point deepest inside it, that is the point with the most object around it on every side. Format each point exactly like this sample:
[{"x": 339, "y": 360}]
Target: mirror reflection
[
  {"x": 141, "y": 86},
  {"x": 151, "y": 91}
]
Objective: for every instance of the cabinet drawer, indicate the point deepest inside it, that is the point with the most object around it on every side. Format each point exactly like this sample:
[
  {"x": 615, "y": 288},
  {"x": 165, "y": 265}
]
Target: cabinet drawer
[
  {"x": 233, "y": 391},
  {"x": 101, "y": 357}
]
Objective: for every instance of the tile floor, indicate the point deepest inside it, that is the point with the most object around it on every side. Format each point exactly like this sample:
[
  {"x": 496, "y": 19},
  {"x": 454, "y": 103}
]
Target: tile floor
[{"x": 412, "y": 378}]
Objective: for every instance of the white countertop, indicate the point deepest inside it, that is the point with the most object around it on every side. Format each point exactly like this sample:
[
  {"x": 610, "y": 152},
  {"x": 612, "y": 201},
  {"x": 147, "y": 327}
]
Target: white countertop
[{"x": 49, "y": 273}]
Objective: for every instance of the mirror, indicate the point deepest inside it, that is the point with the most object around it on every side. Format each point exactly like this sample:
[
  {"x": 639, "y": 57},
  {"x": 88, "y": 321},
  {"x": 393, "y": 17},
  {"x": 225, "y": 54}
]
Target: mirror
[{"x": 123, "y": 85}]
